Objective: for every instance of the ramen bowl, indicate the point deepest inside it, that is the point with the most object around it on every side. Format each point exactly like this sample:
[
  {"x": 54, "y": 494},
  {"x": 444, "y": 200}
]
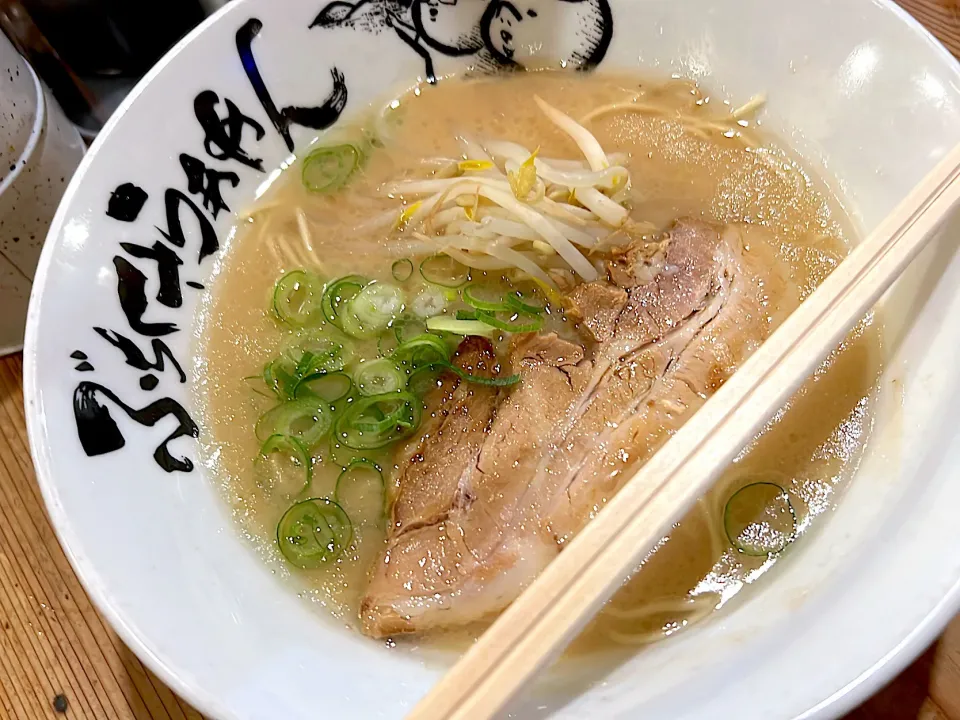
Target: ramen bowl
[{"x": 139, "y": 239}]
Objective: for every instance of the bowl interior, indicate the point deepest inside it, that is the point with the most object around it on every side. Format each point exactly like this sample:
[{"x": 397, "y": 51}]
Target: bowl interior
[{"x": 873, "y": 104}]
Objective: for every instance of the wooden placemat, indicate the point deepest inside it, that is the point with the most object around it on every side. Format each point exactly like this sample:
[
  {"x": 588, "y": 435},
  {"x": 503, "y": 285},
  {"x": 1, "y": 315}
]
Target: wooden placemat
[
  {"x": 55, "y": 649},
  {"x": 60, "y": 659}
]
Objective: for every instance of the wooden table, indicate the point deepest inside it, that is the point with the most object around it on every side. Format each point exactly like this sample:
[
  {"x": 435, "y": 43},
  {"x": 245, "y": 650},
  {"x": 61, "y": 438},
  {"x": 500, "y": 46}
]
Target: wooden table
[{"x": 57, "y": 653}]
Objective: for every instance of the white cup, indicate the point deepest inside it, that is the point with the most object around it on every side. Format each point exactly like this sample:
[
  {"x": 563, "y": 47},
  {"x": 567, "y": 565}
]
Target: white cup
[
  {"x": 39, "y": 149},
  {"x": 19, "y": 124}
]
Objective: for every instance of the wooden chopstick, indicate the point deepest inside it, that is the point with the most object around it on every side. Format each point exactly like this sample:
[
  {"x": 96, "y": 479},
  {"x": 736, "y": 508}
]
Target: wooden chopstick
[{"x": 573, "y": 588}]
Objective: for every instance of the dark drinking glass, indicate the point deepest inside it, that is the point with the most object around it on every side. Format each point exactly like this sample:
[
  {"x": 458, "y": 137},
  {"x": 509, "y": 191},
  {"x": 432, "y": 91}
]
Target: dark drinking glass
[{"x": 113, "y": 37}]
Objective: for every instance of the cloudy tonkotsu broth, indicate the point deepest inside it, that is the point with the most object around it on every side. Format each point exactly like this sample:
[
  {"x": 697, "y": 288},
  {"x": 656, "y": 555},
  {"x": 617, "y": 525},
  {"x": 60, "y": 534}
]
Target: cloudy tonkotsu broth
[{"x": 687, "y": 157}]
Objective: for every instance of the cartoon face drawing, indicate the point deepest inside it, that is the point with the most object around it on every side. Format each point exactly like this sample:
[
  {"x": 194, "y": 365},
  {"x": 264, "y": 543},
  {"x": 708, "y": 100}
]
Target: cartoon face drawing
[
  {"x": 451, "y": 27},
  {"x": 500, "y": 33},
  {"x": 578, "y": 31}
]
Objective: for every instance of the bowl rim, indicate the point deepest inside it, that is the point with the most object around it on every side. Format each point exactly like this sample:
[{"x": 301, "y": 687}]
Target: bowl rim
[{"x": 843, "y": 700}]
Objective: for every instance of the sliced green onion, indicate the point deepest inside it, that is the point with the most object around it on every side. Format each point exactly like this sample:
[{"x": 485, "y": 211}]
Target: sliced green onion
[
  {"x": 255, "y": 383},
  {"x": 371, "y": 310},
  {"x": 280, "y": 378},
  {"x": 527, "y": 301},
  {"x": 482, "y": 297},
  {"x": 404, "y": 329},
  {"x": 513, "y": 321},
  {"x": 296, "y": 296},
  {"x": 759, "y": 519},
  {"x": 284, "y": 465},
  {"x": 313, "y": 533},
  {"x": 307, "y": 420},
  {"x": 460, "y": 327},
  {"x": 378, "y": 377},
  {"x": 421, "y": 350},
  {"x": 466, "y": 315},
  {"x": 360, "y": 492},
  {"x": 387, "y": 343},
  {"x": 338, "y": 293},
  {"x": 378, "y": 302},
  {"x": 328, "y": 168},
  {"x": 351, "y": 325},
  {"x": 323, "y": 352},
  {"x": 329, "y": 387},
  {"x": 402, "y": 270},
  {"x": 407, "y": 328},
  {"x": 374, "y": 422},
  {"x": 310, "y": 362},
  {"x": 320, "y": 353},
  {"x": 424, "y": 379},
  {"x": 429, "y": 302},
  {"x": 479, "y": 379},
  {"x": 444, "y": 271}
]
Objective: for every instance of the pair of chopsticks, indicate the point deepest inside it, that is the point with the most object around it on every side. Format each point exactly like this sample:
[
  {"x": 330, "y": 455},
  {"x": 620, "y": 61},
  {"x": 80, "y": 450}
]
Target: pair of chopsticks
[{"x": 551, "y": 612}]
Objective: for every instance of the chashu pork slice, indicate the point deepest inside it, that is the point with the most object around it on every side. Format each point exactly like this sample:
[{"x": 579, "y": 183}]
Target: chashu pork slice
[
  {"x": 500, "y": 482},
  {"x": 671, "y": 346},
  {"x": 450, "y": 558}
]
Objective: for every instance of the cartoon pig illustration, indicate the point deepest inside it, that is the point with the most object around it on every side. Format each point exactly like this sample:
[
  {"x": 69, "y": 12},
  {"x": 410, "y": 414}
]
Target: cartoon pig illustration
[
  {"x": 499, "y": 33},
  {"x": 450, "y": 27},
  {"x": 529, "y": 33}
]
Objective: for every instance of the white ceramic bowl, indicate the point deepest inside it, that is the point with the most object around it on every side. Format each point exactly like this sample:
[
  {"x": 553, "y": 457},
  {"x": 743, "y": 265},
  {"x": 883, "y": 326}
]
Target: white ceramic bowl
[{"x": 858, "y": 87}]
